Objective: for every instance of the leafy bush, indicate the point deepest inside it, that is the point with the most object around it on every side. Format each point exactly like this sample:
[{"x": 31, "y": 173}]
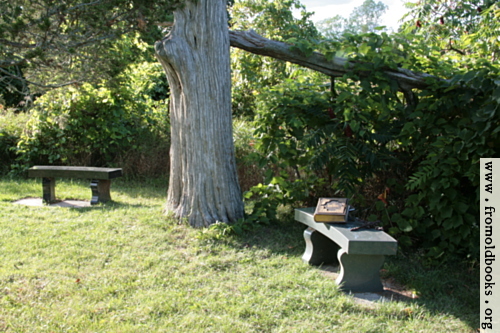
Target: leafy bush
[
  {"x": 11, "y": 126},
  {"x": 97, "y": 125},
  {"x": 416, "y": 151},
  {"x": 453, "y": 127},
  {"x": 291, "y": 127},
  {"x": 438, "y": 136}
]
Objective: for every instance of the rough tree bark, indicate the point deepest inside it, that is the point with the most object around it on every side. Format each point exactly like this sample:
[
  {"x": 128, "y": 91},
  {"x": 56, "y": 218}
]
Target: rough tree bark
[{"x": 203, "y": 183}]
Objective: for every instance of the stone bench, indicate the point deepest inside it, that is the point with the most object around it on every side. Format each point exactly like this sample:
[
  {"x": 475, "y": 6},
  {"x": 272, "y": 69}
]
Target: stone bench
[
  {"x": 100, "y": 180},
  {"x": 359, "y": 253}
]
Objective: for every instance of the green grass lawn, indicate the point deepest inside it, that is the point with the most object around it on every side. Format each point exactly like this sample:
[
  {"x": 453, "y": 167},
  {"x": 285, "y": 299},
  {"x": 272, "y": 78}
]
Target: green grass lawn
[{"x": 126, "y": 267}]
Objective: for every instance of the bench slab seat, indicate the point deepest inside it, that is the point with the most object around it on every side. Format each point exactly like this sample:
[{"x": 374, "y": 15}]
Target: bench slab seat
[
  {"x": 360, "y": 254},
  {"x": 100, "y": 180}
]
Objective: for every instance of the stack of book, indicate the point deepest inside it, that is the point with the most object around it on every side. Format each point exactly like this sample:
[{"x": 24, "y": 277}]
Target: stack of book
[{"x": 331, "y": 210}]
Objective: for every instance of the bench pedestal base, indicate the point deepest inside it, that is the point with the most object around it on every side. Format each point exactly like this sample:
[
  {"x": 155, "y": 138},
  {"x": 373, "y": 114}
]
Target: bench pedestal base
[
  {"x": 49, "y": 189},
  {"x": 358, "y": 272},
  {"x": 100, "y": 190},
  {"x": 319, "y": 249}
]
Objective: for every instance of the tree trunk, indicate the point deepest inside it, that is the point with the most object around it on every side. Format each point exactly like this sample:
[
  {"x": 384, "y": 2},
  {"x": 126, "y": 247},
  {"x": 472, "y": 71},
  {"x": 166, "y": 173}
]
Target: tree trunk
[{"x": 203, "y": 183}]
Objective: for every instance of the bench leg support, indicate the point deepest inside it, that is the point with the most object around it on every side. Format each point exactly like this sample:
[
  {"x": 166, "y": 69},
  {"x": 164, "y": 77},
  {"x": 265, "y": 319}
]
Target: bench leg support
[
  {"x": 360, "y": 273},
  {"x": 319, "y": 248},
  {"x": 49, "y": 190},
  {"x": 100, "y": 191}
]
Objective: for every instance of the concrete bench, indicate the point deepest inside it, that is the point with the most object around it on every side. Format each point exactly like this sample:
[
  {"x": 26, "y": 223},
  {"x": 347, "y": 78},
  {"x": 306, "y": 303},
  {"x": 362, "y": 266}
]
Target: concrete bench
[
  {"x": 100, "y": 180},
  {"x": 360, "y": 253}
]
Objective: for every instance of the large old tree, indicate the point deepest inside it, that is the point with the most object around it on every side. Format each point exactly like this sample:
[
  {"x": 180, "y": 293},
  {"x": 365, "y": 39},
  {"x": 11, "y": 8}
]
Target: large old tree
[
  {"x": 195, "y": 55},
  {"x": 203, "y": 183}
]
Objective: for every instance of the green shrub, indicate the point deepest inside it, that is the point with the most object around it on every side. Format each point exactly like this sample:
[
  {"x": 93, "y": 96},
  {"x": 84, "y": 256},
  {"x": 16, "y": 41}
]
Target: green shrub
[
  {"x": 424, "y": 146},
  {"x": 100, "y": 126},
  {"x": 291, "y": 125},
  {"x": 449, "y": 132},
  {"x": 11, "y": 126}
]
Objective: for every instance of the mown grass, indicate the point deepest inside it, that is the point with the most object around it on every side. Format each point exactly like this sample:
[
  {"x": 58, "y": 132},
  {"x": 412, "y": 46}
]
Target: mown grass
[{"x": 126, "y": 267}]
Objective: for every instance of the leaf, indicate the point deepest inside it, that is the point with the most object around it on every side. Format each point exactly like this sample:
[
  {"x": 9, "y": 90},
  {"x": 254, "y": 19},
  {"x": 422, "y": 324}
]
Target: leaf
[
  {"x": 343, "y": 96},
  {"x": 436, "y": 233},
  {"x": 461, "y": 207},
  {"x": 405, "y": 226},
  {"x": 446, "y": 212},
  {"x": 448, "y": 224},
  {"x": 364, "y": 49},
  {"x": 469, "y": 76}
]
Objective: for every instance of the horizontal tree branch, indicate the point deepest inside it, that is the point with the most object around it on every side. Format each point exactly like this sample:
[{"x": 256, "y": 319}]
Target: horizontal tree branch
[
  {"x": 17, "y": 45},
  {"x": 41, "y": 85},
  {"x": 252, "y": 42},
  {"x": 12, "y": 63}
]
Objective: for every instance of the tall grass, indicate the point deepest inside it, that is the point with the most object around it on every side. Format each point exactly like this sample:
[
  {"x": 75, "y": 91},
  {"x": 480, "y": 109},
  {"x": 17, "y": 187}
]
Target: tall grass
[{"x": 126, "y": 267}]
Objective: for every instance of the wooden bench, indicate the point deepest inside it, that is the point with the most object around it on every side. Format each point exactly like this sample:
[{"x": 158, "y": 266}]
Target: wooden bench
[
  {"x": 100, "y": 180},
  {"x": 359, "y": 253}
]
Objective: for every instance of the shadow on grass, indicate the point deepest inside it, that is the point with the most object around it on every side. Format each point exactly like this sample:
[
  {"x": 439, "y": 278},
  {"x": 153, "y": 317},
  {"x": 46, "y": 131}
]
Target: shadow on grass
[
  {"x": 108, "y": 205},
  {"x": 451, "y": 287},
  {"x": 75, "y": 204},
  {"x": 155, "y": 188}
]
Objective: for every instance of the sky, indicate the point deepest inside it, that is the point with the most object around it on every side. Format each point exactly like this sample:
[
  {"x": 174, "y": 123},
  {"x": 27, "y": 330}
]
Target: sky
[{"x": 329, "y": 8}]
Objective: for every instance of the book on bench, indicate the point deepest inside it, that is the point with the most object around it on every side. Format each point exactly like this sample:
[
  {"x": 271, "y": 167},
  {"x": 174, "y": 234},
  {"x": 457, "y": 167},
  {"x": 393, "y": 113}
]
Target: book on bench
[{"x": 330, "y": 210}]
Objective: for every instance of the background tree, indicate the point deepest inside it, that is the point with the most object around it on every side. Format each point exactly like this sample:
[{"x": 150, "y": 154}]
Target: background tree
[
  {"x": 108, "y": 106},
  {"x": 363, "y": 19},
  {"x": 63, "y": 42},
  {"x": 13, "y": 89},
  {"x": 460, "y": 29}
]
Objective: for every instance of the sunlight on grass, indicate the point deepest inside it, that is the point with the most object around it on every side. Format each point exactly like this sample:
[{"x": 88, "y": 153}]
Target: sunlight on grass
[{"x": 126, "y": 267}]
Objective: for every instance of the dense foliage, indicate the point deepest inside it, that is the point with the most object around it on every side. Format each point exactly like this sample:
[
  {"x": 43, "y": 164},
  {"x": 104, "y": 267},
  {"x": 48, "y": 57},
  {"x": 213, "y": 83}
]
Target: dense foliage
[
  {"x": 407, "y": 157},
  {"x": 100, "y": 125},
  {"x": 461, "y": 29},
  {"x": 11, "y": 127},
  {"x": 274, "y": 20},
  {"x": 45, "y": 44}
]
